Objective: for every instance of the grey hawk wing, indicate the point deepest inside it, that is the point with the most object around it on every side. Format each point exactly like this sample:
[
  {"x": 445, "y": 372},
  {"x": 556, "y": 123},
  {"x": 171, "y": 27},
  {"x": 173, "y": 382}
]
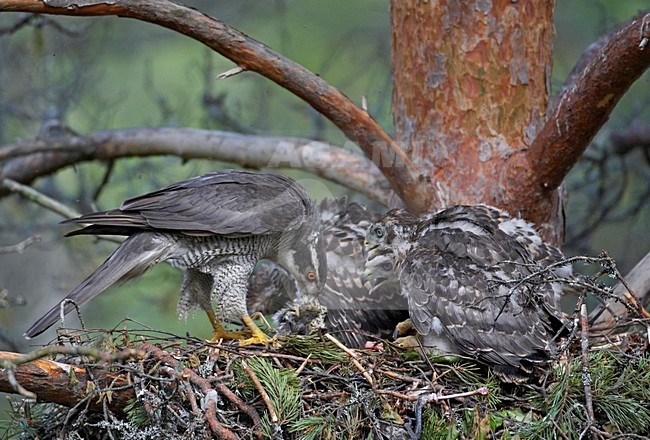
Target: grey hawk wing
[
  {"x": 224, "y": 202},
  {"x": 215, "y": 227}
]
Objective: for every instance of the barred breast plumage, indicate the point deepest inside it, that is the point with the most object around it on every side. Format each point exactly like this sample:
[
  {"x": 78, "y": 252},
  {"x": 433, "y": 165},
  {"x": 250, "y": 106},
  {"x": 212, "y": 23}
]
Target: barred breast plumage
[{"x": 215, "y": 227}]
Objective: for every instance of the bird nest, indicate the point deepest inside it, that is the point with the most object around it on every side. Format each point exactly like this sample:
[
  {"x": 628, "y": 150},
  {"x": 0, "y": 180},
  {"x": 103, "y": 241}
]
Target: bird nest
[{"x": 133, "y": 382}]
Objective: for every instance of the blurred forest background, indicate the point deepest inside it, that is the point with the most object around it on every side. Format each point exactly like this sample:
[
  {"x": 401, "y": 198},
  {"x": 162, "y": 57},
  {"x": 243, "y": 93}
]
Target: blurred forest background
[{"x": 90, "y": 74}]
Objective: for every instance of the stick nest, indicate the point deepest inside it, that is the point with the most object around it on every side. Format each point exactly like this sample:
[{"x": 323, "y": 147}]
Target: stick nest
[{"x": 180, "y": 387}]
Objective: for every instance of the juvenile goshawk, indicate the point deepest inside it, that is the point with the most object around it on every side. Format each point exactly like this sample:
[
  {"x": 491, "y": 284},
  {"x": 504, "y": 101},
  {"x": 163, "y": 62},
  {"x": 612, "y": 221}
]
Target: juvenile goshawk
[
  {"x": 352, "y": 312},
  {"x": 474, "y": 280},
  {"x": 215, "y": 227}
]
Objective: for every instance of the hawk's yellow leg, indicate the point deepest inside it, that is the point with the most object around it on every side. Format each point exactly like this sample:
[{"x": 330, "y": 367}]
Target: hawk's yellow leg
[
  {"x": 259, "y": 337},
  {"x": 220, "y": 332}
]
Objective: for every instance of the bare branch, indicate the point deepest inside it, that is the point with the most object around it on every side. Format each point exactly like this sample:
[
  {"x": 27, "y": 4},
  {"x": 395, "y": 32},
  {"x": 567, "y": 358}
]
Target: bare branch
[
  {"x": 638, "y": 280},
  {"x": 586, "y": 106},
  {"x": 40, "y": 198},
  {"x": 60, "y": 383},
  {"x": 27, "y": 160},
  {"x": 250, "y": 54},
  {"x": 265, "y": 396},
  {"x": 586, "y": 375},
  {"x": 20, "y": 247},
  {"x": 205, "y": 385},
  {"x": 580, "y": 112}
]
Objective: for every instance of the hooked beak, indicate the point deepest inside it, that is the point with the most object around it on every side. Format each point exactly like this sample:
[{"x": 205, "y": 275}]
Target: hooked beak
[{"x": 365, "y": 276}]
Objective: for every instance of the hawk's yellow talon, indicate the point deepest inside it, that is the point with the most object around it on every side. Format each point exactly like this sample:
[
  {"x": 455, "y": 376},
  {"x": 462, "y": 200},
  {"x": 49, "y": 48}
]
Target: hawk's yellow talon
[
  {"x": 221, "y": 333},
  {"x": 258, "y": 336}
]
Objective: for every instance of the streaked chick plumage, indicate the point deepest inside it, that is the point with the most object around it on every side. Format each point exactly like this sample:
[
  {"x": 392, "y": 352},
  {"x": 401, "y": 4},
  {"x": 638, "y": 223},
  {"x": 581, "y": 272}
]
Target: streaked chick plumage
[
  {"x": 353, "y": 315},
  {"x": 469, "y": 275}
]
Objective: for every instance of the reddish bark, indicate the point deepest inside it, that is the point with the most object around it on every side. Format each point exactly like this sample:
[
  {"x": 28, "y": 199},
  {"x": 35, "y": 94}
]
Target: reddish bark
[
  {"x": 66, "y": 384},
  {"x": 535, "y": 174},
  {"x": 471, "y": 84},
  {"x": 471, "y": 90}
]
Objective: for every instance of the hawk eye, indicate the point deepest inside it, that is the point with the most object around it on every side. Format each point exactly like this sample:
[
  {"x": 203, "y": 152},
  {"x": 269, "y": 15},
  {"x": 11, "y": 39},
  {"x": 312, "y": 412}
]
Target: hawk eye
[
  {"x": 379, "y": 232},
  {"x": 387, "y": 265},
  {"x": 311, "y": 275}
]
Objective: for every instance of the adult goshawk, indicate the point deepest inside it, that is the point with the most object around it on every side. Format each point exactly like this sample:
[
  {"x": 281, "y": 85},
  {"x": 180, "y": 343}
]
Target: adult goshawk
[
  {"x": 353, "y": 314},
  {"x": 475, "y": 283},
  {"x": 215, "y": 227}
]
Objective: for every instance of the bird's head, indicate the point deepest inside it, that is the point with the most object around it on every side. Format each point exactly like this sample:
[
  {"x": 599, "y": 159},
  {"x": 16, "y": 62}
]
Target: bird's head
[
  {"x": 392, "y": 230},
  {"x": 303, "y": 256},
  {"x": 302, "y": 316},
  {"x": 381, "y": 271},
  {"x": 386, "y": 243}
]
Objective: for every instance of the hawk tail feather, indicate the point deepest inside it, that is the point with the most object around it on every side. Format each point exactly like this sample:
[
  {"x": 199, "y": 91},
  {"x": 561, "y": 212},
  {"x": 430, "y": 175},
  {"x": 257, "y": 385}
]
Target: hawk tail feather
[{"x": 131, "y": 259}]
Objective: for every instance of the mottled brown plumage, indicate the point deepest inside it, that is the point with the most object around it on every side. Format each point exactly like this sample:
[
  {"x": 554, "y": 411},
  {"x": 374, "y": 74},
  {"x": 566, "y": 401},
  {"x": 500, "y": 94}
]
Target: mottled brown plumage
[
  {"x": 461, "y": 270},
  {"x": 352, "y": 313}
]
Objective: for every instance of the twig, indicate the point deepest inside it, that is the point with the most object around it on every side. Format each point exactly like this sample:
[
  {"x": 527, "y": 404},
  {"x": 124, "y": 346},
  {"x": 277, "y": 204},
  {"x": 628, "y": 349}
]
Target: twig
[
  {"x": 191, "y": 397},
  {"x": 303, "y": 365},
  {"x": 630, "y": 295},
  {"x": 107, "y": 418},
  {"x": 263, "y": 393},
  {"x": 220, "y": 431},
  {"x": 11, "y": 378},
  {"x": 586, "y": 376},
  {"x": 19, "y": 247},
  {"x": 353, "y": 357},
  {"x": 204, "y": 384},
  {"x": 45, "y": 201},
  {"x": 105, "y": 179},
  {"x": 332, "y": 395},
  {"x": 277, "y": 355},
  {"x": 210, "y": 414},
  {"x": 436, "y": 397},
  {"x": 232, "y": 72},
  {"x": 48, "y": 202},
  {"x": 401, "y": 377},
  {"x": 91, "y": 352}
]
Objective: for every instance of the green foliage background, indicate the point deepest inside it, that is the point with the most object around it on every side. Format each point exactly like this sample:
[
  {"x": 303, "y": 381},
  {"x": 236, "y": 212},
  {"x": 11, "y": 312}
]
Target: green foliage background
[{"x": 111, "y": 73}]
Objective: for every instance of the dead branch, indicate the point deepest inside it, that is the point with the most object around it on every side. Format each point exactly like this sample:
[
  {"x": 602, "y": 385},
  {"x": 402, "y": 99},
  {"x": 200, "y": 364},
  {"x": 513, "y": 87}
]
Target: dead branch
[
  {"x": 586, "y": 375},
  {"x": 579, "y": 113},
  {"x": 639, "y": 282},
  {"x": 21, "y": 246},
  {"x": 265, "y": 396},
  {"x": 219, "y": 430},
  {"x": 39, "y": 198},
  {"x": 187, "y": 386},
  {"x": 27, "y": 160},
  {"x": 205, "y": 385},
  {"x": 250, "y": 54},
  {"x": 47, "y": 202},
  {"x": 64, "y": 384},
  {"x": 353, "y": 358}
]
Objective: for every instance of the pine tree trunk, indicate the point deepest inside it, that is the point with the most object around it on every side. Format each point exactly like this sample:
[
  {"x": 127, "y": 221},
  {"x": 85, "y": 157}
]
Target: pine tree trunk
[{"x": 471, "y": 89}]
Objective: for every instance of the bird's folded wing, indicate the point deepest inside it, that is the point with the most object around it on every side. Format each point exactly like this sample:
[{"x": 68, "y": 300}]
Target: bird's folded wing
[{"x": 226, "y": 202}]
